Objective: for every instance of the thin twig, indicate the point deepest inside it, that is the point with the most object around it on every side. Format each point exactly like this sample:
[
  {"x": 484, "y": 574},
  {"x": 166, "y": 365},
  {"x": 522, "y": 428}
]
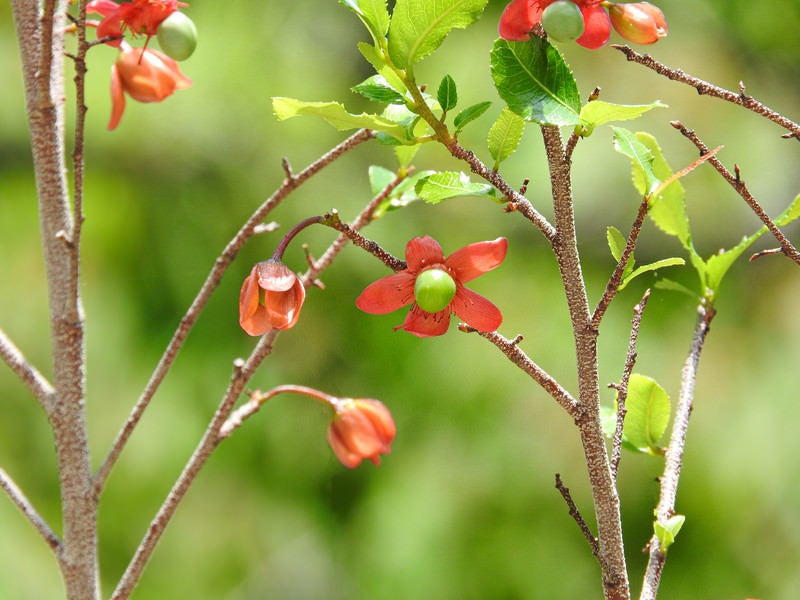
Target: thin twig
[
  {"x": 576, "y": 515},
  {"x": 332, "y": 220},
  {"x": 622, "y": 386},
  {"x": 674, "y": 455},
  {"x": 705, "y": 88},
  {"x": 30, "y": 375},
  {"x": 616, "y": 277},
  {"x": 18, "y": 497},
  {"x": 736, "y": 182},
  {"x": 512, "y": 350},
  {"x": 243, "y": 372},
  {"x": 222, "y": 263}
]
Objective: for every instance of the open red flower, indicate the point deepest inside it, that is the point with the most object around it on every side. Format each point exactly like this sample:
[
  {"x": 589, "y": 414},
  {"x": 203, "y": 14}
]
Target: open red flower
[
  {"x": 426, "y": 265},
  {"x": 361, "y": 429},
  {"x": 271, "y": 298},
  {"x": 138, "y": 16},
  {"x": 520, "y": 17}
]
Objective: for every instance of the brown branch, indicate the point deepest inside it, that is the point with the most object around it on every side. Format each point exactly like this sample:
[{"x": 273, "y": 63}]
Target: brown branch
[
  {"x": 21, "y": 501},
  {"x": 735, "y": 181},
  {"x": 576, "y": 515},
  {"x": 30, "y": 375},
  {"x": 739, "y": 98},
  {"x": 622, "y": 386},
  {"x": 332, "y": 220},
  {"x": 674, "y": 455},
  {"x": 213, "y": 279}
]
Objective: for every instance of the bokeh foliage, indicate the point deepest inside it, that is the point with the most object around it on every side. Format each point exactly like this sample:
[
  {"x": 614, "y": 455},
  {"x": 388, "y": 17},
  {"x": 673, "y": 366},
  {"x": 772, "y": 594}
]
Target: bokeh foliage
[{"x": 464, "y": 507}]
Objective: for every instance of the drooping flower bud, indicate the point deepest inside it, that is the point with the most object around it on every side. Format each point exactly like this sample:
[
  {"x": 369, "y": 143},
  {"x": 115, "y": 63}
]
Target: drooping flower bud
[
  {"x": 638, "y": 22},
  {"x": 271, "y": 298},
  {"x": 361, "y": 429}
]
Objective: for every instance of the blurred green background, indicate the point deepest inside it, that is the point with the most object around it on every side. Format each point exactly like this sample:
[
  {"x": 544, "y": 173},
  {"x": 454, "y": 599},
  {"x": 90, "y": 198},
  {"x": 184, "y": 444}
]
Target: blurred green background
[{"x": 464, "y": 506}]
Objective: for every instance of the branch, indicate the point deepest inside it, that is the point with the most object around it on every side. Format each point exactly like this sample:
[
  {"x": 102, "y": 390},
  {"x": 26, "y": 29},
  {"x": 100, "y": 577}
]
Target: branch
[
  {"x": 674, "y": 454},
  {"x": 576, "y": 515},
  {"x": 622, "y": 386},
  {"x": 22, "y": 502},
  {"x": 221, "y": 264},
  {"x": 737, "y": 184},
  {"x": 705, "y": 88},
  {"x": 512, "y": 350},
  {"x": 332, "y": 220},
  {"x": 30, "y": 376}
]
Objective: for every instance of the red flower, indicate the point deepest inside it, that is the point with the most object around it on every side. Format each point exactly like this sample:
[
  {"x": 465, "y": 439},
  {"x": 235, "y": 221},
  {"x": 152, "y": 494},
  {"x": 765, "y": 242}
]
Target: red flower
[
  {"x": 271, "y": 298},
  {"x": 424, "y": 254},
  {"x": 520, "y": 17},
  {"x": 138, "y": 16},
  {"x": 145, "y": 75},
  {"x": 361, "y": 429},
  {"x": 639, "y": 22}
]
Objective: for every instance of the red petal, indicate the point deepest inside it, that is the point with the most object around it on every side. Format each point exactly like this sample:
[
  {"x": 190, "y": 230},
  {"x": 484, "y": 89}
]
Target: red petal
[
  {"x": 597, "y": 27},
  {"x": 424, "y": 324},
  {"x": 422, "y": 252},
  {"x": 253, "y": 318},
  {"x": 476, "y": 259},
  {"x": 283, "y": 308},
  {"x": 475, "y": 310},
  {"x": 117, "y": 98},
  {"x": 387, "y": 294},
  {"x": 518, "y": 18}
]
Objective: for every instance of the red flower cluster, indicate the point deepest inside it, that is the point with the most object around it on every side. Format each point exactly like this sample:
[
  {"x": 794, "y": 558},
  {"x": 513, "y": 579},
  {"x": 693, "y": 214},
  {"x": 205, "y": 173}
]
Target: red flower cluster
[
  {"x": 424, "y": 254},
  {"x": 361, "y": 429},
  {"x": 138, "y": 17},
  {"x": 639, "y": 22}
]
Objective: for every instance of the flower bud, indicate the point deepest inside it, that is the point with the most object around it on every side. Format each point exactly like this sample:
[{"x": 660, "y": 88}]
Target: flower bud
[
  {"x": 177, "y": 36},
  {"x": 638, "y": 22},
  {"x": 361, "y": 429},
  {"x": 433, "y": 290},
  {"x": 271, "y": 298}
]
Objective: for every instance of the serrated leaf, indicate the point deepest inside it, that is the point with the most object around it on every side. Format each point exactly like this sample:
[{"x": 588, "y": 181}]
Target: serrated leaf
[
  {"x": 668, "y": 531},
  {"x": 596, "y": 113},
  {"x": 418, "y": 27},
  {"x": 626, "y": 143},
  {"x": 378, "y": 89},
  {"x": 335, "y": 114},
  {"x": 449, "y": 184},
  {"x": 505, "y": 135},
  {"x": 469, "y": 114},
  {"x": 447, "y": 95},
  {"x": 654, "y": 266},
  {"x": 790, "y": 214},
  {"x": 648, "y": 408},
  {"x": 374, "y": 15},
  {"x": 535, "y": 81}
]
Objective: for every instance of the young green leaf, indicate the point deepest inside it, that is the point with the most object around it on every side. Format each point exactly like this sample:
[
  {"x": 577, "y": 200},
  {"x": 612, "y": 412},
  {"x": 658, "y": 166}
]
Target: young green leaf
[
  {"x": 336, "y": 115},
  {"x": 447, "y": 95},
  {"x": 402, "y": 195},
  {"x": 469, "y": 114},
  {"x": 668, "y": 531},
  {"x": 790, "y": 214},
  {"x": 418, "y": 27},
  {"x": 378, "y": 89},
  {"x": 644, "y": 178},
  {"x": 449, "y": 184},
  {"x": 535, "y": 82},
  {"x": 617, "y": 243},
  {"x": 654, "y": 266},
  {"x": 596, "y": 113},
  {"x": 505, "y": 135},
  {"x": 648, "y": 408},
  {"x": 374, "y": 15}
]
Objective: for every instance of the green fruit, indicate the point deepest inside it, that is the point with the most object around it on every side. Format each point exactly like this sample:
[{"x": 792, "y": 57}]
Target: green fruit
[
  {"x": 563, "y": 21},
  {"x": 433, "y": 290},
  {"x": 177, "y": 36}
]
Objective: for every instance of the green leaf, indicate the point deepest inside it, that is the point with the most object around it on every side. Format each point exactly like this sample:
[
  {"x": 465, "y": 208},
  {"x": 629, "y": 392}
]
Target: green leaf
[
  {"x": 654, "y": 266},
  {"x": 378, "y": 89},
  {"x": 648, "y": 413},
  {"x": 668, "y": 531},
  {"x": 374, "y": 15},
  {"x": 402, "y": 195},
  {"x": 674, "y": 286},
  {"x": 596, "y": 113},
  {"x": 644, "y": 177},
  {"x": 469, "y": 114},
  {"x": 535, "y": 82},
  {"x": 505, "y": 135},
  {"x": 790, "y": 214},
  {"x": 617, "y": 243},
  {"x": 335, "y": 114},
  {"x": 449, "y": 184},
  {"x": 418, "y": 27},
  {"x": 447, "y": 93}
]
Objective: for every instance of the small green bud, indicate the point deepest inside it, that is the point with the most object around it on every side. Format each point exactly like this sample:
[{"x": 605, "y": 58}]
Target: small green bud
[
  {"x": 433, "y": 290},
  {"x": 177, "y": 36},
  {"x": 563, "y": 21}
]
